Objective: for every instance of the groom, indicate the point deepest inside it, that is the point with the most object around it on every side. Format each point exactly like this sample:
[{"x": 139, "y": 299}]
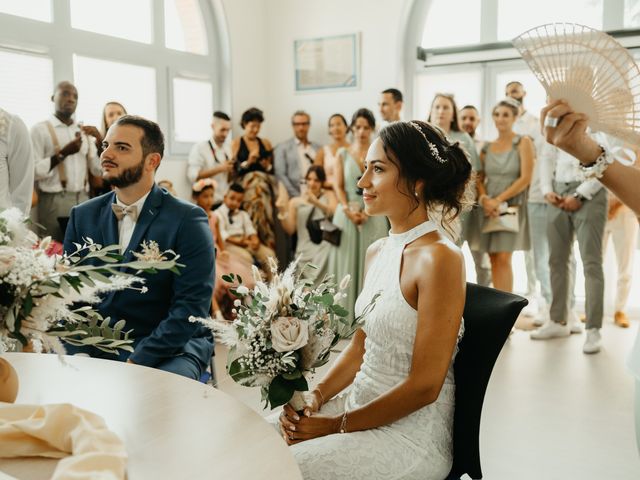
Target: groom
[{"x": 138, "y": 211}]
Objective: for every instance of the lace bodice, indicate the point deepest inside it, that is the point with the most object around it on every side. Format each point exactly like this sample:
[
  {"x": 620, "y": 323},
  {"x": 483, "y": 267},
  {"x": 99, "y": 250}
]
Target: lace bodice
[{"x": 391, "y": 329}]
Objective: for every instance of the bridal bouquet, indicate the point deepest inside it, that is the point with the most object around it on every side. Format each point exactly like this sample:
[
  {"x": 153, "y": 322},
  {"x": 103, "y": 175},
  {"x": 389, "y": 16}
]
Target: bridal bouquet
[
  {"x": 283, "y": 331},
  {"x": 40, "y": 294}
]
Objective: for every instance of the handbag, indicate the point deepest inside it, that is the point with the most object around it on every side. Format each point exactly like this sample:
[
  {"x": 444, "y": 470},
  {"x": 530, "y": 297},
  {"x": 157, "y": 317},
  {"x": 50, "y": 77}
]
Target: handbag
[
  {"x": 323, "y": 229},
  {"x": 507, "y": 221}
]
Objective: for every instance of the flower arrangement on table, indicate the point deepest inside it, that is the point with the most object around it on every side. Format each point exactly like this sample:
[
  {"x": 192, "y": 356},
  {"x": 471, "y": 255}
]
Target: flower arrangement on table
[
  {"x": 283, "y": 331},
  {"x": 47, "y": 300}
]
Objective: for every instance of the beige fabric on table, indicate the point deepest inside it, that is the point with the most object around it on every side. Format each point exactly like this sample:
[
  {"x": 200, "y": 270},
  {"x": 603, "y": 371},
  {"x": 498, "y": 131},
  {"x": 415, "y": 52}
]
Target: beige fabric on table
[{"x": 92, "y": 451}]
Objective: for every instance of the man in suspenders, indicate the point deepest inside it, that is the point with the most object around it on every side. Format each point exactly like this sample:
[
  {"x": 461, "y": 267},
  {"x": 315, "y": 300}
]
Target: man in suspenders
[{"x": 65, "y": 155}]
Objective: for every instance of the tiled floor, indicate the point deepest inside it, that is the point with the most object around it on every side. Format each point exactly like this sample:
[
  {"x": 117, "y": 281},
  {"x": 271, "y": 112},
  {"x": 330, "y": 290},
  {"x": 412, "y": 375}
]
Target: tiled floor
[{"x": 550, "y": 413}]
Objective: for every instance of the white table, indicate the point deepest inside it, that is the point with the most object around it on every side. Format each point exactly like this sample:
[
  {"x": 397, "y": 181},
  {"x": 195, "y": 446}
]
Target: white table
[{"x": 173, "y": 428}]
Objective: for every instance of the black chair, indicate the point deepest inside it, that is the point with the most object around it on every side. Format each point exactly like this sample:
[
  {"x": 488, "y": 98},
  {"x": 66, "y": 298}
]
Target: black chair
[{"x": 489, "y": 316}]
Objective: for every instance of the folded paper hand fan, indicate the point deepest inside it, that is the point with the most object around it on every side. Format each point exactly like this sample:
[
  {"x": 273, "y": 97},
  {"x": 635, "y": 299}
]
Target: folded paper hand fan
[{"x": 589, "y": 69}]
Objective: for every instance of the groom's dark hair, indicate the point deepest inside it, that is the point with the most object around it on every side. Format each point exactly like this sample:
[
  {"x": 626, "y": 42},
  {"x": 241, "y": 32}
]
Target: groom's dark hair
[{"x": 152, "y": 137}]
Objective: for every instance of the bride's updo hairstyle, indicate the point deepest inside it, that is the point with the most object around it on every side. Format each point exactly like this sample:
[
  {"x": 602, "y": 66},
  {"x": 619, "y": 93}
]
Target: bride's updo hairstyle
[{"x": 422, "y": 152}]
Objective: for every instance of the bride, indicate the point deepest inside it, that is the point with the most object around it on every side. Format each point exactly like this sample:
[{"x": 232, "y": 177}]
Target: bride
[{"x": 385, "y": 408}]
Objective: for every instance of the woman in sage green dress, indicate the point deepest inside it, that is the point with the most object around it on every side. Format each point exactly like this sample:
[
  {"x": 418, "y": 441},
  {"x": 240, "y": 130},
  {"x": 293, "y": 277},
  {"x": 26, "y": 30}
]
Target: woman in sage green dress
[{"x": 358, "y": 229}]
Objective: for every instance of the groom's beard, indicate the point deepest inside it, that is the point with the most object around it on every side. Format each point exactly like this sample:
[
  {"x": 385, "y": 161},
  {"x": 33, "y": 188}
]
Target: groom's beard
[{"x": 127, "y": 178}]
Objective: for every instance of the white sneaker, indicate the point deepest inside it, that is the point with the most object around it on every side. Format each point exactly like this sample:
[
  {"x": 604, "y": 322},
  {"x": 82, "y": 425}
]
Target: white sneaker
[
  {"x": 550, "y": 330},
  {"x": 575, "y": 325},
  {"x": 593, "y": 342},
  {"x": 542, "y": 316},
  {"x": 532, "y": 308}
]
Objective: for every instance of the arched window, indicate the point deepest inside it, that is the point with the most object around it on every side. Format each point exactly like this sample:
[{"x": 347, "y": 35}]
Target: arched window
[{"x": 161, "y": 59}]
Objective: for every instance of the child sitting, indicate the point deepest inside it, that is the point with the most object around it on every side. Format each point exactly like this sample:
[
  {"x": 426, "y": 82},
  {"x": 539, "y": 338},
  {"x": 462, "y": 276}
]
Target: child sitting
[
  {"x": 238, "y": 233},
  {"x": 203, "y": 195}
]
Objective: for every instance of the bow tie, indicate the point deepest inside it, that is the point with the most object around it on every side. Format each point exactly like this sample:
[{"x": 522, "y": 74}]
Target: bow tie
[{"x": 121, "y": 211}]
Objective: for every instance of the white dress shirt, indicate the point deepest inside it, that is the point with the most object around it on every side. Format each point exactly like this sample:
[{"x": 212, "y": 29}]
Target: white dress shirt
[
  {"x": 306, "y": 157},
  {"x": 126, "y": 226},
  {"x": 75, "y": 165},
  {"x": 16, "y": 163},
  {"x": 203, "y": 157},
  {"x": 562, "y": 167},
  {"x": 528, "y": 124},
  {"x": 241, "y": 224}
]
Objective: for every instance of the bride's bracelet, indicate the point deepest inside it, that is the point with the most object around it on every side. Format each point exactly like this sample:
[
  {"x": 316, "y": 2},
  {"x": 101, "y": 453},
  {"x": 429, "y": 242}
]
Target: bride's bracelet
[
  {"x": 343, "y": 423},
  {"x": 597, "y": 168}
]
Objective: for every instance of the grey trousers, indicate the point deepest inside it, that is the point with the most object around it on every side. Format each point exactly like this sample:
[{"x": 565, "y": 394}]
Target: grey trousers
[
  {"x": 51, "y": 206},
  {"x": 587, "y": 225}
]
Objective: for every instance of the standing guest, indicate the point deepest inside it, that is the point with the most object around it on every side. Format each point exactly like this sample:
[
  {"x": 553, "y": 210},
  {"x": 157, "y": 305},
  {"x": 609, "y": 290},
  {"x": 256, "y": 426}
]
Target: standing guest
[
  {"x": 314, "y": 204},
  {"x": 577, "y": 210},
  {"x": 16, "y": 163},
  {"x": 385, "y": 409},
  {"x": 505, "y": 173},
  {"x": 358, "y": 229},
  {"x": 390, "y": 105},
  {"x": 212, "y": 158},
  {"x": 293, "y": 158},
  {"x": 472, "y": 221},
  {"x": 536, "y": 259},
  {"x": 469, "y": 122},
  {"x": 253, "y": 169},
  {"x": 327, "y": 156},
  {"x": 622, "y": 228},
  {"x": 444, "y": 114},
  {"x": 138, "y": 211},
  {"x": 203, "y": 194},
  {"x": 238, "y": 233},
  {"x": 65, "y": 156},
  {"x": 110, "y": 113}
]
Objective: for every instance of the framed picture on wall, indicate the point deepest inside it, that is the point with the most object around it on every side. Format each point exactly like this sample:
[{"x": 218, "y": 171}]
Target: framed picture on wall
[{"x": 327, "y": 62}]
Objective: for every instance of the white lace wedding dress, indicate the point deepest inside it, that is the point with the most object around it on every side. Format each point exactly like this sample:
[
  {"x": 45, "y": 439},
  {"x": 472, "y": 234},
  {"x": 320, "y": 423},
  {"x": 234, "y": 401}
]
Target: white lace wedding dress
[{"x": 417, "y": 446}]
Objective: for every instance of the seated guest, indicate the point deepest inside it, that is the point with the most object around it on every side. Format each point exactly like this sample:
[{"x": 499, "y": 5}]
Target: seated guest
[
  {"x": 327, "y": 156},
  {"x": 253, "y": 169},
  {"x": 212, "y": 158},
  {"x": 238, "y": 233},
  {"x": 65, "y": 155},
  {"x": 203, "y": 193},
  {"x": 138, "y": 211},
  {"x": 316, "y": 203},
  {"x": 168, "y": 186},
  {"x": 293, "y": 158}
]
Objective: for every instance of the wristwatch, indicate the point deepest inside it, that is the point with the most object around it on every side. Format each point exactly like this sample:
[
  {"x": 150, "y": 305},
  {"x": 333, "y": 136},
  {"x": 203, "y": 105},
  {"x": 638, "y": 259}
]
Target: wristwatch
[{"x": 580, "y": 197}]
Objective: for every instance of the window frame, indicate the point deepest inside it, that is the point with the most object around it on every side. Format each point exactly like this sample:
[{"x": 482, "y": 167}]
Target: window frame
[{"x": 59, "y": 41}]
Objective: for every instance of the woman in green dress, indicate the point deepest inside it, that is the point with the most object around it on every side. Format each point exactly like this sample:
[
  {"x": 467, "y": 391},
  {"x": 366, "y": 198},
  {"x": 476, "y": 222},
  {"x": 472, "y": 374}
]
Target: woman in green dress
[{"x": 358, "y": 229}]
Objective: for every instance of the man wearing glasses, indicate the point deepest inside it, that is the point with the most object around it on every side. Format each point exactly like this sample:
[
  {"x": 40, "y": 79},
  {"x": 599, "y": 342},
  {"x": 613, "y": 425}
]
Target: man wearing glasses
[{"x": 293, "y": 158}]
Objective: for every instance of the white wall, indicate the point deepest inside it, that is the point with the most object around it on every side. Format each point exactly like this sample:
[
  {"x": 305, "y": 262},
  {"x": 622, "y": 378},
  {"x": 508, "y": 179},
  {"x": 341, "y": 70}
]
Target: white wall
[
  {"x": 379, "y": 23},
  {"x": 262, "y": 33}
]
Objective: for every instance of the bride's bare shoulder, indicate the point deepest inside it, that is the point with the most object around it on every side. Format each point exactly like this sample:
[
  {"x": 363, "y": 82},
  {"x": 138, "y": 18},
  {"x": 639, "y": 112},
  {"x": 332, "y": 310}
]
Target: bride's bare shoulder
[{"x": 432, "y": 255}]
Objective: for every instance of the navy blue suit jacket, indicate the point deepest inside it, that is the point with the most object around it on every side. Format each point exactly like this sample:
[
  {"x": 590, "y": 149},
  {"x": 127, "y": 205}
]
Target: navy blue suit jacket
[{"x": 160, "y": 317}]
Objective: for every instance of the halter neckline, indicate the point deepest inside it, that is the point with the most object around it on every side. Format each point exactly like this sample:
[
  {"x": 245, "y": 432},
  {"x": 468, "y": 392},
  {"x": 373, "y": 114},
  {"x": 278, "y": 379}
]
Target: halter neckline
[{"x": 415, "y": 232}]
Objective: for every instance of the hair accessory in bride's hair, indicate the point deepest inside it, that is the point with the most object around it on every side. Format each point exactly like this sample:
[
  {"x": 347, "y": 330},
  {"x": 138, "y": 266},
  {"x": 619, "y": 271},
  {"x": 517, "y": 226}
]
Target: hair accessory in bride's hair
[{"x": 432, "y": 146}]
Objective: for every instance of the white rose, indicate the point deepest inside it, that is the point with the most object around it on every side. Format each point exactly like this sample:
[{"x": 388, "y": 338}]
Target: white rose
[
  {"x": 242, "y": 290},
  {"x": 289, "y": 333},
  {"x": 7, "y": 259}
]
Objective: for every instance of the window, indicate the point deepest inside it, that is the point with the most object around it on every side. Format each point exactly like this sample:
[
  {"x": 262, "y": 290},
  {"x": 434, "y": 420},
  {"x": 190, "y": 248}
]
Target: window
[
  {"x": 192, "y": 110},
  {"x": 516, "y": 17},
  {"x": 27, "y": 85},
  {"x": 128, "y": 19},
  {"x": 34, "y": 9},
  {"x": 465, "y": 85},
  {"x": 184, "y": 26},
  {"x": 101, "y": 81},
  {"x": 452, "y": 22}
]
